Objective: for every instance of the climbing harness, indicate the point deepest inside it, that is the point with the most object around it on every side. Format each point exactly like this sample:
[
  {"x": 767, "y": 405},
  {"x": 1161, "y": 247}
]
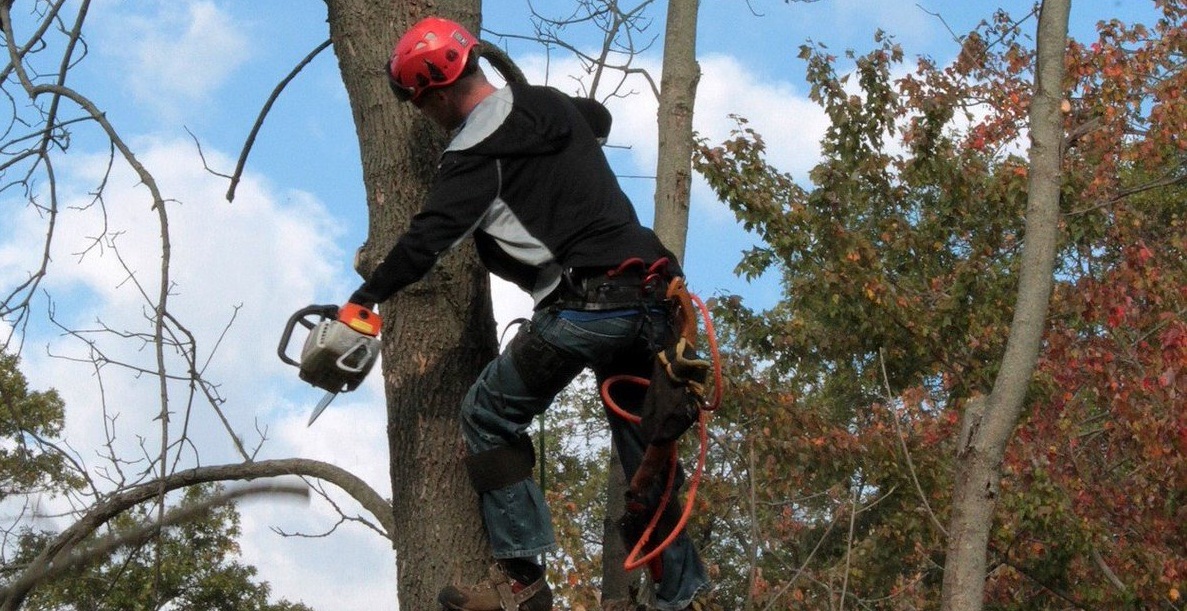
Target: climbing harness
[{"x": 674, "y": 401}]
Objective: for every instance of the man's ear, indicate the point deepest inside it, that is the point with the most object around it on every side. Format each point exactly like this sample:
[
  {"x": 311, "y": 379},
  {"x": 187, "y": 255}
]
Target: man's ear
[{"x": 439, "y": 96}]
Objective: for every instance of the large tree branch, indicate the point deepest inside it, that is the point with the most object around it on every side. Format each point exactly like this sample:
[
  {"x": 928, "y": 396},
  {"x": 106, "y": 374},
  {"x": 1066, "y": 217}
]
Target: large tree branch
[
  {"x": 63, "y": 546},
  {"x": 139, "y": 535}
]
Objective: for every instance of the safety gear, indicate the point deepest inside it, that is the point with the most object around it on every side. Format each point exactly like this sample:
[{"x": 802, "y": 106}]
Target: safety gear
[
  {"x": 632, "y": 284},
  {"x": 432, "y": 53},
  {"x": 673, "y": 402},
  {"x": 498, "y": 592},
  {"x": 676, "y": 394},
  {"x": 502, "y": 466},
  {"x": 549, "y": 369},
  {"x": 640, "y": 507}
]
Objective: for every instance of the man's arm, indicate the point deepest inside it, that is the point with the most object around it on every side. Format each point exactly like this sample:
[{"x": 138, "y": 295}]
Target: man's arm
[{"x": 463, "y": 191}]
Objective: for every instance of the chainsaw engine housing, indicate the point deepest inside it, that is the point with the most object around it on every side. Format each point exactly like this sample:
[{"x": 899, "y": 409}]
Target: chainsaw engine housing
[
  {"x": 341, "y": 347},
  {"x": 337, "y": 358}
]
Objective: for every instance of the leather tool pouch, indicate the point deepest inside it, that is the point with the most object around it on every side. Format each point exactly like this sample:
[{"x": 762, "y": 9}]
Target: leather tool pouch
[{"x": 677, "y": 391}]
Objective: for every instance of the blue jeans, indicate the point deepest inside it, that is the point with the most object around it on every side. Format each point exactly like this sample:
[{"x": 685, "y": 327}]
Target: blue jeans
[{"x": 546, "y": 354}]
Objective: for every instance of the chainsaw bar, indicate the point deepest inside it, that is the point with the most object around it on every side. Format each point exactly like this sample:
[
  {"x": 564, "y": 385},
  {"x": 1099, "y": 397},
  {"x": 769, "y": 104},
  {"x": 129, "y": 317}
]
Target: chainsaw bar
[{"x": 321, "y": 407}]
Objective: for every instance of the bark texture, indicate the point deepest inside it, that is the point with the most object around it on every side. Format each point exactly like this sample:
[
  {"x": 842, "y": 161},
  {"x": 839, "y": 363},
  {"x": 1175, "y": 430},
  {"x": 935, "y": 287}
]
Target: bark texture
[
  {"x": 678, "y": 89},
  {"x": 439, "y": 332},
  {"x": 988, "y": 427}
]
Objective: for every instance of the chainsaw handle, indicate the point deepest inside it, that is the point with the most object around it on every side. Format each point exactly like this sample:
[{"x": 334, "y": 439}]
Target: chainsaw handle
[{"x": 302, "y": 317}]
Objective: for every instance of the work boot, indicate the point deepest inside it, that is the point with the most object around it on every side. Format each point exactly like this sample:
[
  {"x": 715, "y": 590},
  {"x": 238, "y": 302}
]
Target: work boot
[
  {"x": 704, "y": 601},
  {"x": 499, "y": 592}
]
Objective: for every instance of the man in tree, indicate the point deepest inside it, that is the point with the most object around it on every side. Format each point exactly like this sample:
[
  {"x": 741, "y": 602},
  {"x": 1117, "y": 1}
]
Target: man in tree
[{"x": 525, "y": 176}]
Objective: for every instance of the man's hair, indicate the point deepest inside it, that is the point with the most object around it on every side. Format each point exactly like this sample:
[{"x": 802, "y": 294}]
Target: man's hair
[
  {"x": 471, "y": 75},
  {"x": 471, "y": 62}
]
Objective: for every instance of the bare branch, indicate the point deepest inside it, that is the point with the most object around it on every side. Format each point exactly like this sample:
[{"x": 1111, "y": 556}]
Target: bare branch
[
  {"x": 906, "y": 451},
  {"x": 620, "y": 29},
  {"x": 255, "y": 129},
  {"x": 139, "y": 535}
]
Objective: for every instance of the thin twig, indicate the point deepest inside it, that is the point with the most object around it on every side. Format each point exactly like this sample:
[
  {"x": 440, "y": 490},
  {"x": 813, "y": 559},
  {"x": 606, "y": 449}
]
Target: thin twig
[
  {"x": 906, "y": 452},
  {"x": 255, "y": 129}
]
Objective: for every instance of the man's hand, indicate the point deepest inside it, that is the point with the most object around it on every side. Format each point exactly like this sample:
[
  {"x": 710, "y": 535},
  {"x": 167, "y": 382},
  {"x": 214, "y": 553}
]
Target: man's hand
[{"x": 363, "y": 298}]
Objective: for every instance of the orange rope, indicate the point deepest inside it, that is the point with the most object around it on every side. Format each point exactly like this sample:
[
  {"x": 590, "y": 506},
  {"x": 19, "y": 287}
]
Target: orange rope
[{"x": 633, "y": 559}]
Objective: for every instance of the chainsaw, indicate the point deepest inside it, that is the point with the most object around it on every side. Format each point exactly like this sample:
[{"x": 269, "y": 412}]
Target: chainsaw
[{"x": 341, "y": 348}]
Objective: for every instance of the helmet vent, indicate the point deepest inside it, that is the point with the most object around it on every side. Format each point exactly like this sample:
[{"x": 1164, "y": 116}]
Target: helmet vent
[{"x": 435, "y": 73}]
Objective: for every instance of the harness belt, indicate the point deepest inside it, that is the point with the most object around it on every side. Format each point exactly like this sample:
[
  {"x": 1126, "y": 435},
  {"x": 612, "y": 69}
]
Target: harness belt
[{"x": 629, "y": 285}]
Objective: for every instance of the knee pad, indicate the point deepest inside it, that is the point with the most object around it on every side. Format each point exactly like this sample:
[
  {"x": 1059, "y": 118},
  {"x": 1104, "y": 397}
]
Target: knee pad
[{"x": 502, "y": 466}]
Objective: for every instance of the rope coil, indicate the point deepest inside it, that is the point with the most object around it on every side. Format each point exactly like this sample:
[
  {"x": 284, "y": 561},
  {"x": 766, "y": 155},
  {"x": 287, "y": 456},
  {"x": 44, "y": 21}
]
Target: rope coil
[{"x": 637, "y": 558}]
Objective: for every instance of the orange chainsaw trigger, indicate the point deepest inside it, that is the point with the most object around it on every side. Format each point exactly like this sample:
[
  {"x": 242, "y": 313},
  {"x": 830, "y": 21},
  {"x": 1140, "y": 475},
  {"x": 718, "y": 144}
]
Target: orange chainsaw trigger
[{"x": 360, "y": 319}]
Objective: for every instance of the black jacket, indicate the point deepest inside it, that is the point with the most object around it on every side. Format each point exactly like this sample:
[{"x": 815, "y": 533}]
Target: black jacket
[{"x": 526, "y": 177}]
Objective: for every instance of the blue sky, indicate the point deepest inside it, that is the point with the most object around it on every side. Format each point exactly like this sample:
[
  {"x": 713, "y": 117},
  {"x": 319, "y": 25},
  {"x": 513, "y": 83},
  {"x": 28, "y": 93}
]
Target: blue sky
[{"x": 162, "y": 70}]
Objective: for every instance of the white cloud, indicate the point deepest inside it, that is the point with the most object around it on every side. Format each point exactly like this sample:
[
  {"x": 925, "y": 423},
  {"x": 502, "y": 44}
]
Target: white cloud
[
  {"x": 911, "y": 24},
  {"x": 790, "y": 123},
  {"x": 259, "y": 259},
  {"x": 355, "y": 566},
  {"x": 175, "y": 57},
  {"x": 510, "y": 303}
]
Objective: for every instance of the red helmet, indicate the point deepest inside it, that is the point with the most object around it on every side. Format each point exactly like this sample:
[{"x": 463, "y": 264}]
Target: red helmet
[{"x": 432, "y": 53}]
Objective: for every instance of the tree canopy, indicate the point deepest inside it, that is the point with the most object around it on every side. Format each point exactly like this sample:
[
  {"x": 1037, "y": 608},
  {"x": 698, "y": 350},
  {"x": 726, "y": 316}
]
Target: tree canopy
[
  {"x": 29, "y": 422},
  {"x": 899, "y": 258}
]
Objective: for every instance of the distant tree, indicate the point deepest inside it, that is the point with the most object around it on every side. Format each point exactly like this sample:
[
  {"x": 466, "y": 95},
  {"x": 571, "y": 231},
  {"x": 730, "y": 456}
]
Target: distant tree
[
  {"x": 29, "y": 423},
  {"x": 990, "y": 422},
  {"x": 190, "y": 567},
  {"x": 900, "y": 255}
]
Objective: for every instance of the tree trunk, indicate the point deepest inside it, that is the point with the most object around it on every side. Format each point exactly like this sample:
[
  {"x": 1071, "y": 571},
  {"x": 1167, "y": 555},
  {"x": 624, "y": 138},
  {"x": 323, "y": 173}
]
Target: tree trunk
[
  {"x": 678, "y": 89},
  {"x": 990, "y": 426},
  {"x": 673, "y": 182},
  {"x": 440, "y": 332},
  {"x": 616, "y": 581}
]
